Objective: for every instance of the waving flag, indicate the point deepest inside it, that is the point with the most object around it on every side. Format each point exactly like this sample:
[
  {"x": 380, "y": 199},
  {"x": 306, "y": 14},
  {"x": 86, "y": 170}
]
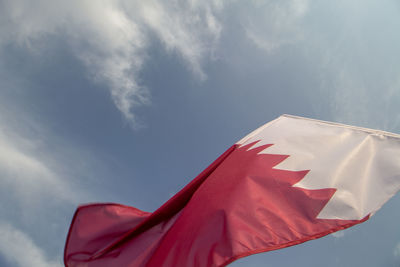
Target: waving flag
[{"x": 290, "y": 181}]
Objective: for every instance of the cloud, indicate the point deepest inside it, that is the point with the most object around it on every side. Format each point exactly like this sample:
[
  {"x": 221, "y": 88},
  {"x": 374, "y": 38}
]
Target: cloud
[
  {"x": 26, "y": 175},
  {"x": 19, "y": 248},
  {"x": 338, "y": 234},
  {"x": 99, "y": 33},
  {"x": 352, "y": 61},
  {"x": 189, "y": 28},
  {"x": 33, "y": 197},
  {"x": 28, "y": 169},
  {"x": 37, "y": 194},
  {"x": 112, "y": 37},
  {"x": 396, "y": 251},
  {"x": 355, "y": 99},
  {"x": 274, "y": 24}
]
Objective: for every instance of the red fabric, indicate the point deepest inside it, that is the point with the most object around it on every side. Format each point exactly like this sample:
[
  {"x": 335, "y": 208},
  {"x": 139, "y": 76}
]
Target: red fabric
[{"x": 240, "y": 205}]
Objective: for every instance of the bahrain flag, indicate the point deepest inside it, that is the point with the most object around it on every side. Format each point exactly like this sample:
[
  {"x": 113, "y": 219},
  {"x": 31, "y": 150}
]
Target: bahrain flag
[{"x": 290, "y": 181}]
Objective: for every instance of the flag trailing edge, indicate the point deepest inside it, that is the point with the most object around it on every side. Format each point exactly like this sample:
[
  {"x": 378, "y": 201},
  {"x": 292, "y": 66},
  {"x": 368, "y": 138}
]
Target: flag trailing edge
[{"x": 292, "y": 180}]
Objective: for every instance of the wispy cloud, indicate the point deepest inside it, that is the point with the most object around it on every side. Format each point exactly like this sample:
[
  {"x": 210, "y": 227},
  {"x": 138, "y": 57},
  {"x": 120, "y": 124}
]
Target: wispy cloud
[
  {"x": 111, "y": 37},
  {"x": 189, "y": 28},
  {"x": 18, "y": 248},
  {"x": 30, "y": 190},
  {"x": 26, "y": 175},
  {"x": 396, "y": 251},
  {"x": 275, "y": 23},
  {"x": 338, "y": 234},
  {"x": 37, "y": 194},
  {"x": 356, "y": 76}
]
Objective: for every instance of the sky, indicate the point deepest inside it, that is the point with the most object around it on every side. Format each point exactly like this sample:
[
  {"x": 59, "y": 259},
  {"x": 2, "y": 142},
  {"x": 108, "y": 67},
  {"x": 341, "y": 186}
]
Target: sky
[{"x": 127, "y": 101}]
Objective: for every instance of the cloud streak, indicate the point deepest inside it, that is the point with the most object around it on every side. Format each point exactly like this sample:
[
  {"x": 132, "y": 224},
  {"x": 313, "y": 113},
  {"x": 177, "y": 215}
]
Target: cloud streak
[
  {"x": 37, "y": 194},
  {"x": 113, "y": 40},
  {"x": 112, "y": 37},
  {"x": 396, "y": 251},
  {"x": 30, "y": 192},
  {"x": 19, "y": 248},
  {"x": 27, "y": 176},
  {"x": 275, "y": 24}
]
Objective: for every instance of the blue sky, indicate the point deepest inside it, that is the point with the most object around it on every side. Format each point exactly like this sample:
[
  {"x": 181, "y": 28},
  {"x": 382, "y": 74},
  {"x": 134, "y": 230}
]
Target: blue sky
[{"x": 127, "y": 101}]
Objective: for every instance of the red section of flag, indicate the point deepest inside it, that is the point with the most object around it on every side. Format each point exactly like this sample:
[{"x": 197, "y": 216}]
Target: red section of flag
[{"x": 238, "y": 206}]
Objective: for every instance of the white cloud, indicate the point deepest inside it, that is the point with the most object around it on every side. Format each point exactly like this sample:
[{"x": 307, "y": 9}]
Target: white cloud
[
  {"x": 37, "y": 196},
  {"x": 19, "y": 248},
  {"x": 352, "y": 61},
  {"x": 356, "y": 71},
  {"x": 396, "y": 251},
  {"x": 275, "y": 23},
  {"x": 349, "y": 97},
  {"x": 338, "y": 234},
  {"x": 111, "y": 37},
  {"x": 27, "y": 176},
  {"x": 29, "y": 192},
  {"x": 28, "y": 171},
  {"x": 190, "y": 28}
]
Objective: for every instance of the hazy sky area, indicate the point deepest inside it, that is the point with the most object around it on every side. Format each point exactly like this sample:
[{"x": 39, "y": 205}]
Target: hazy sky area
[{"x": 127, "y": 101}]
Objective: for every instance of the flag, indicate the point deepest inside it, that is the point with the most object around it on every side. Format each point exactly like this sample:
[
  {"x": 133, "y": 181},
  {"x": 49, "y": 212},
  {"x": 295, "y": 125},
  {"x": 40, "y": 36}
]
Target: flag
[{"x": 292, "y": 180}]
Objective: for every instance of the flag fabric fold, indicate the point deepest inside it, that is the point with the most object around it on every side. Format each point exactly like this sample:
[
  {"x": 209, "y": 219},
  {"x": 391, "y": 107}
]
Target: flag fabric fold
[{"x": 290, "y": 181}]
